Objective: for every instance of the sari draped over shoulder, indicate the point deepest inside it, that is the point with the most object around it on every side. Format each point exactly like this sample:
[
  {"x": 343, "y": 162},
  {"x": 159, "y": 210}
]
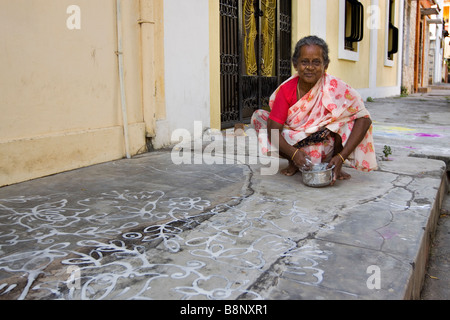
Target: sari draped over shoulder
[{"x": 330, "y": 104}]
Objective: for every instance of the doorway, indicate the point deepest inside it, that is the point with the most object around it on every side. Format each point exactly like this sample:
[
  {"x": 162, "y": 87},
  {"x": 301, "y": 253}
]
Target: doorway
[{"x": 255, "y": 55}]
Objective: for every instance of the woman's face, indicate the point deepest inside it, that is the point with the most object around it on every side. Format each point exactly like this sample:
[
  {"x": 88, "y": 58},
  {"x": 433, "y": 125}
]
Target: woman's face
[{"x": 310, "y": 65}]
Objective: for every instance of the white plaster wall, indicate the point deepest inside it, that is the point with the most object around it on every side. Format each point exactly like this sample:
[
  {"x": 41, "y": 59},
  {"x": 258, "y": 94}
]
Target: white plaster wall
[
  {"x": 186, "y": 42},
  {"x": 437, "y": 33},
  {"x": 318, "y": 24}
]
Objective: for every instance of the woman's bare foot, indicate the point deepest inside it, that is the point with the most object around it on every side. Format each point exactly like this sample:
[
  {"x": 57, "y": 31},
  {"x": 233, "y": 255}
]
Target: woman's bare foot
[
  {"x": 344, "y": 176},
  {"x": 291, "y": 170}
]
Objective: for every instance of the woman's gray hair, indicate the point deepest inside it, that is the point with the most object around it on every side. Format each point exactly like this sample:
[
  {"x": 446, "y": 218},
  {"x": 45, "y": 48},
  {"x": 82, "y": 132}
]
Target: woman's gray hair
[{"x": 309, "y": 41}]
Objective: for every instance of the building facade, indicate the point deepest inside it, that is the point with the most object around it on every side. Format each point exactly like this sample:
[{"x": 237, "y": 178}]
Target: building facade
[
  {"x": 78, "y": 83},
  {"x": 86, "y": 82},
  {"x": 423, "y": 45},
  {"x": 446, "y": 15},
  {"x": 361, "y": 36},
  {"x": 436, "y": 53}
]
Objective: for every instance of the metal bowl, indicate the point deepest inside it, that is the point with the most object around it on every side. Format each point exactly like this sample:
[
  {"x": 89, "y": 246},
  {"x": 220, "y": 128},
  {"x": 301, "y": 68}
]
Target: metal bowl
[{"x": 318, "y": 175}]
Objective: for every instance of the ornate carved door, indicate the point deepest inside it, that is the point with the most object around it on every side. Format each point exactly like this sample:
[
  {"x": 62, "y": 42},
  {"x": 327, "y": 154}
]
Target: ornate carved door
[{"x": 255, "y": 55}]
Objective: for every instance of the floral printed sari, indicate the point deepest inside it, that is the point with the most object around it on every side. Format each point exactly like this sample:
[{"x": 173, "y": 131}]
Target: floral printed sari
[{"x": 330, "y": 104}]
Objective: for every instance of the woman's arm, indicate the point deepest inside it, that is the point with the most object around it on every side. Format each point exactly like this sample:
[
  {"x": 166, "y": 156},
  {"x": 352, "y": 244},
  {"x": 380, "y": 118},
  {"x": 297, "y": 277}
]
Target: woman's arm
[
  {"x": 360, "y": 128},
  {"x": 298, "y": 157}
]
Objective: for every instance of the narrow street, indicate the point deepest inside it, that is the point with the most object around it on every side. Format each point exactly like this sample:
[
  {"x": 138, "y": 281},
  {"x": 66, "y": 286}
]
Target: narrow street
[{"x": 147, "y": 228}]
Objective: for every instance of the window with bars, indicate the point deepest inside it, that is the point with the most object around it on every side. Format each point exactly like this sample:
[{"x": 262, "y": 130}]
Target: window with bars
[
  {"x": 392, "y": 43},
  {"x": 354, "y": 24}
]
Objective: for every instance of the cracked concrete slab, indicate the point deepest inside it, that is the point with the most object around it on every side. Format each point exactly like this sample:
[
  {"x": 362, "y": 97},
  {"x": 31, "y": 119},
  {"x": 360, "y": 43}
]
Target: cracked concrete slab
[{"x": 146, "y": 228}]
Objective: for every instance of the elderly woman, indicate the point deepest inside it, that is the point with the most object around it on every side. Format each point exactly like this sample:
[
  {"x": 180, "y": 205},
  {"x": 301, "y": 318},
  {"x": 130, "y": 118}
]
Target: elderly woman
[{"x": 317, "y": 116}]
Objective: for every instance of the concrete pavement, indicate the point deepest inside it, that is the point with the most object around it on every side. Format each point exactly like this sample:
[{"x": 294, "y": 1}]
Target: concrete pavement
[
  {"x": 417, "y": 125},
  {"x": 148, "y": 228},
  {"x": 437, "y": 279}
]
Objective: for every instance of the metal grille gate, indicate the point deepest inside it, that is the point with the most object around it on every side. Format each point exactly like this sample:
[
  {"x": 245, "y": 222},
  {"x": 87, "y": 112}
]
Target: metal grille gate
[{"x": 255, "y": 55}]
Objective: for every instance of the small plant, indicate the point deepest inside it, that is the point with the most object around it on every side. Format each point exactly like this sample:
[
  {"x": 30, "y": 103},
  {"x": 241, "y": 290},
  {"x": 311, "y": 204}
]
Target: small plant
[
  {"x": 387, "y": 151},
  {"x": 370, "y": 99},
  {"x": 403, "y": 92}
]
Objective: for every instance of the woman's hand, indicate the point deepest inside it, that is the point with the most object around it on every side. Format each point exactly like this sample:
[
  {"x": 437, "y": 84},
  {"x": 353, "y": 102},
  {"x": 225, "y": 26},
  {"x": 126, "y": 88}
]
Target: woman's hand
[
  {"x": 360, "y": 128},
  {"x": 337, "y": 162},
  {"x": 300, "y": 158}
]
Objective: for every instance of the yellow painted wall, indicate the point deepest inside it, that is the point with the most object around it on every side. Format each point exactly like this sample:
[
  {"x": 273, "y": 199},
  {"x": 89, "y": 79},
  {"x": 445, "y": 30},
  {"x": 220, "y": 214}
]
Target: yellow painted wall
[
  {"x": 355, "y": 73},
  {"x": 151, "y": 21},
  {"x": 160, "y": 91},
  {"x": 301, "y": 20},
  {"x": 59, "y": 88},
  {"x": 386, "y": 75},
  {"x": 214, "y": 63}
]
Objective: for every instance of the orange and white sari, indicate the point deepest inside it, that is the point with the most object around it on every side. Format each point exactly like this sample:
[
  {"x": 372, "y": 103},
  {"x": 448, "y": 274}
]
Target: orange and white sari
[{"x": 330, "y": 104}]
